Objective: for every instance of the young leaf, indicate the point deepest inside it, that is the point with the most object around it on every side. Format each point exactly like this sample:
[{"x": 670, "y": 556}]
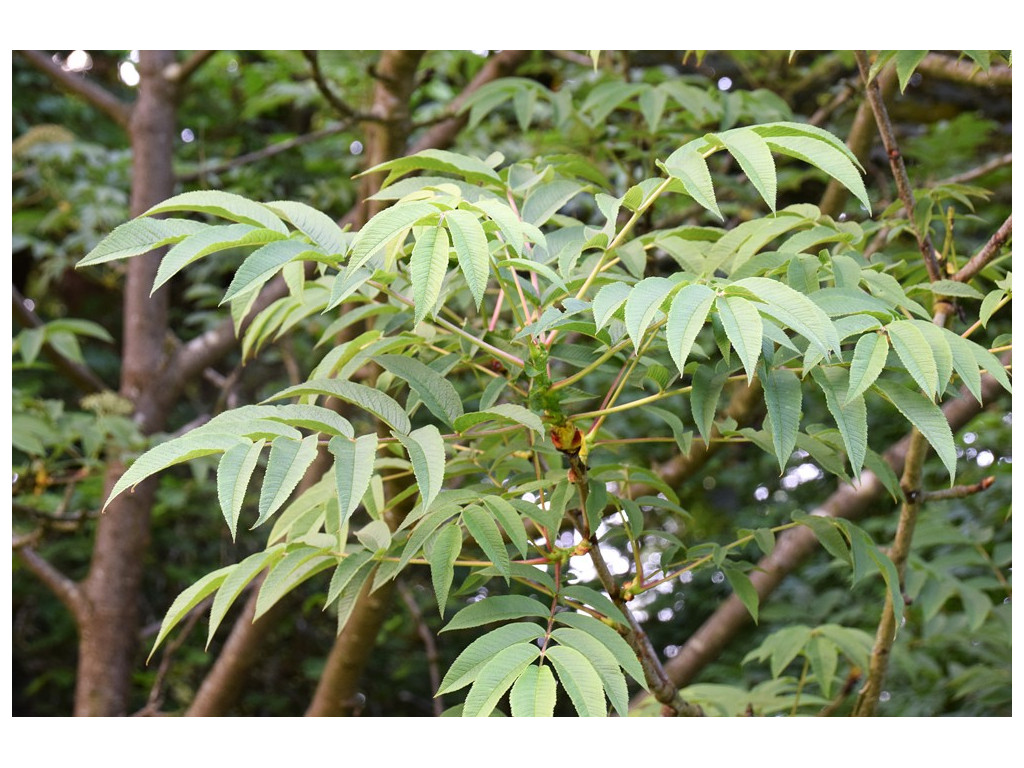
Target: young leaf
[
  {"x": 534, "y": 693},
  {"x": 470, "y": 243},
  {"x": 241, "y": 575},
  {"x": 314, "y": 224},
  {"x": 497, "y": 608},
  {"x": 484, "y": 530},
  {"x": 353, "y": 468},
  {"x": 869, "y": 358},
  {"x": 290, "y": 571},
  {"x": 509, "y": 411},
  {"x": 187, "y": 600},
  {"x": 755, "y": 158},
  {"x": 643, "y": 305},
  {"x": 446, "y": 548},
  {"x": 436, "y": 392},
  {"x": 210, "y": 240},
  {"x": 467, "y": 666},
  {"x": 783, "y": 397},
  {"x": 825, "y": 157},
  {"x": 689, "y": 166},
  {"x": 261, "y": 265},
  {"x": 233, "y": 474},
  {"x": 286, "y": 465},
  {"x": 496, "y": 676},
  {"x": 425, "y": 447},
  {"x": 743, "y": 326},
  {"x": 427, "y": 268},
  {"x": 686, "y": 317},
  {"x": 139, "y": 236},
  {"x": 383, "y": 228},
  {"x": 927, "y": 417},
  {"x": 606, "y": 301},
  {"x": 349, "y": 596},
  {"x": 579, "y": 679},
  {"x": 596, "y": 600},
  {"x": 224, "y": 204}
]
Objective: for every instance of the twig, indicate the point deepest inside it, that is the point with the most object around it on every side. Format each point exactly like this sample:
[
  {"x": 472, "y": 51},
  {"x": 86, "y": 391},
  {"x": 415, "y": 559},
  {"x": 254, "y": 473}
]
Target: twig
[
  {"x": 67, "y": 591},
  {"x": 181, "y": 72},
  {"x": 990, "y": 250},
  {"x": 961, "y": 71},
  {"x": 95, "y": 94},
  {"x": 975, "y": 173},
  {"x": 957, "y": 491},
  {"x": 433, "y": 657},
  {"x": 339, "y": 104},
  {"x": 899, "y": 170}
]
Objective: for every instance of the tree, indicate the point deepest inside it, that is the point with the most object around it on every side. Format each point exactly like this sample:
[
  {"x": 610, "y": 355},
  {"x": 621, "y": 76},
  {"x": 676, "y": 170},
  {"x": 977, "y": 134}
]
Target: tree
[{"x": 506, "y": 383}]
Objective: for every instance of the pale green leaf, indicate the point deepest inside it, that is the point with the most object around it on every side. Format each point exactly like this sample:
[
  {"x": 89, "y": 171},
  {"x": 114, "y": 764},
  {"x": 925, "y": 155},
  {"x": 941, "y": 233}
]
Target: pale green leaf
[
  {"x": 289, "y": 572},
  {"x": 369, "y": 399},
  {"x": 496, "y": 676},
  {"x": 989, "y": 305},
  {"x": 446, "y": 548},
  {"x": 472, "y": 169},
  {"x": 783, "y": 397},
  {"x": 794, "y": 309},
  {"x": 755, "y": 158},
  {"x": 139, "y": 236},
  {"x": 916, "y": 355},
  {"x": 534, "y": 693},
  {"x": 604, "y": 663},
  {"x": 187, "y": 600},
  {"x": 425, "y": 447},
  {"x": 436, "y": 392},
  {"x": 510, "y": 521},
  {"x": 467, "y": 666},
  {"x": 497, "y": 608},
  {"x": 612, "y": 640},
  {"x": 824, "y": 658},
  {"x": 952, "y": 288},
  {"x": 544, "y": 200},
  {"x": 825, "y": 157},
  {"x": 484, "y": 530},
  {"x": 689, "y": 166},
  {"x": 940, "y": 349},
  {"x": 383, "y": 228},
  {"x": 375, "y": 536},
  {"x": 353, "y": 468},
  {"x": 607, "y": 300},
  {"x": 347, "y": 573},
  {"x": 224, "y": 204},
  {"x": 869, "y": 358},
  {"x": 707, "y": 387},
  {"x": 744, "y": 589},
  {"x": 906, "y": 63},
  {"x": 990, "y": 363},
  {"x": 474, "y": 256},
  {"x": 427, "y": 268},
  {"x": 964, "y": 362},
  {"x": 261, "y": 265},
  {"x": 316, "y": 225},
  {"x": 927, "y": 417},
  {"x": 348, "y": 598},
  {"x": 643, "y": 305},
  {"x": 686, "y": 317},
  {"x": 506, "y": 411},
  {"x": 313, "y": 417},
  {"x": 743, "y": 326},
  {"x": 210, "y": 240},
  {"x": 850, "y": 414},
  {"x": 241, "y": 575},
  {"x": 286, "y": 465},
  {"x": 596, "y": 600},
  {"x": 233, "y": 474},
  {"x": 579, "y": 679}
]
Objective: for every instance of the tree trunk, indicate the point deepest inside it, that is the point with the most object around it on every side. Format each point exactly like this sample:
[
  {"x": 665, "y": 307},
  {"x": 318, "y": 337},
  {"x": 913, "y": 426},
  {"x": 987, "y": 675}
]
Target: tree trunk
[{"x": 109, "y": 633}]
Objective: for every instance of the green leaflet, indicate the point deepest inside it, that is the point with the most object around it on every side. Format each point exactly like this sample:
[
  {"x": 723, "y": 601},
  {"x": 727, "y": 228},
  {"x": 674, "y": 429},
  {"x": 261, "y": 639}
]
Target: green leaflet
[
  {"x": 209, "y": 240},
  {"x": 827, "y": 158},
  {"x": 375, "y": 536},
  {"x": 474, "y": 657},
  {"x": 606, "y": 301},
  {"x": 754, "y": 157},
  {"x": 436, "y": 392},
  {"x": 497, "y": 608},
  {"x": 869, "y": 358},
  {"x": 781, "y": 647},
  {"x": 940, "y": 350},
  {"x": 927, "y": 417},
  {"x": 446, "y": 548},
  {"x": 313, "y": 417},
  {"x": 990, "y": 363},
  {"x": 643, "y": 305},
  {"x": 139, "y": 236},
  {"x": 916, "y": 355},
  {"x": 707, "y": 387},
  {"x": 850, "y": 414},
  {"x": 783, "y": 397},
  {"x": 579, "y": 679},
  {"x": 287, "y": 573},
  {"x": 240, "y": 576},
  {"x": 794, "y": 309},
  {"x": 612, "y": 640},
  {"x": 511, "y": 227},
  {"x": 349, "y": 596},
  {"x": 686, "y": 317},
  {"x": 187, "y": 600},
  {"x": 233, "y": 474},
  {"x": 507, "y": 411},
  {"x": 425, "y": 447},
  {"x": 603, "y": 662},
  {"x": 510, "y": 521},
  {"x": 862, "y": 548},
  {"x": 484, "y": 530},
  {"x": 964, "y": 363},
  {"x": 383, "y": 228},
  {"x": 596, "y": 600},
  {"x": 470, "y": 168},
  {"x": 906, "y": 63},
  {"x": 743, "y": 326},
  {"x": 223, "y": 204},
  {"x": 496, "y": 676},
  {"x": 689, "y": 166},
  {"x": 369, "y": 399},
  {"x": 347, "y": 572},
  {"x": 824, "y": 658},
  {"x": 320, "y": 228},
  {"x": 472, "y": 250},
  {"x": 427, "y": 268},
  {"x": 744, "y": 589},
  {"x": 544, "y": 200},
  {"x": 353, "y": 468},
  {"x": 534, "y": 693},
  {"x": 287, "y": 463},
  {"x": 261, "y": 265}
]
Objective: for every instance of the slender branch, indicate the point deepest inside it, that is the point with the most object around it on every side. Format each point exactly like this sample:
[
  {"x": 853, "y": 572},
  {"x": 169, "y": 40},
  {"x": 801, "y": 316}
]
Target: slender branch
[
  {"x": 963, "y": 71},
  {"x": 339, "y": 104},
  {"x": 67, "y": 591},
  {"x": 265, "y": 153},
  {"x": 80, "y": 375},
  {"x": 990, "y": 250},
  {"x": 976, "y": 173},
  {"x": 181, "y": 72},
  {"x": 899, "y": 170},
  {"x": 958, "y": 491},
  {"x": 95, "y": 94}
]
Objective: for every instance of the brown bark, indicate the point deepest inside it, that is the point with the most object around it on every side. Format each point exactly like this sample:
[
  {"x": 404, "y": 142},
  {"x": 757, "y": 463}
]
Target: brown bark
[{"x": 108, "y": 635}]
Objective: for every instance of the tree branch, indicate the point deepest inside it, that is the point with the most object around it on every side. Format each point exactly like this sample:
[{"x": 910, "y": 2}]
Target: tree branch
[
  {"x": 181, "y": 72},
  {"x": 958, "y": 491},
  {"x": 988, "y": 252},
  {"x": 340, "y": 105},
  {"x": 95, "y": 94},
  {"x": 963, "y": 71},
  {"x": 976, "y": 173},
  {"x": 67, "y": 591},
  {"x": 899, "y": 170}
]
